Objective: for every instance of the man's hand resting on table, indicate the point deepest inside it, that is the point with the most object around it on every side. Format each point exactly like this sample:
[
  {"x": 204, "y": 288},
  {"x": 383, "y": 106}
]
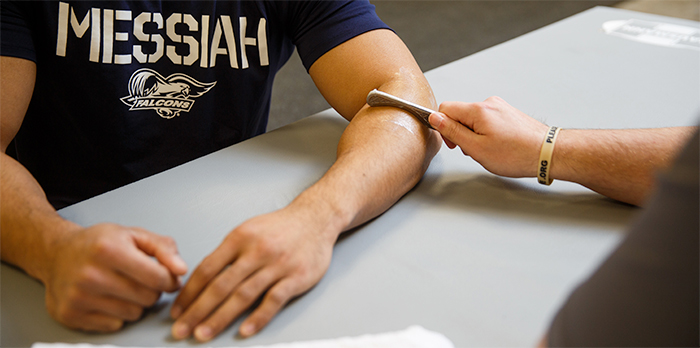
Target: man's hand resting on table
[
  {"x": 281, "y": 255},
  {"x": 99, "y": 277}
]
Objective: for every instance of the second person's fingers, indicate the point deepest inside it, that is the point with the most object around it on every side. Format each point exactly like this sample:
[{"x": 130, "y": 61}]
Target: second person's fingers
[{"x": 455, "y": 132}]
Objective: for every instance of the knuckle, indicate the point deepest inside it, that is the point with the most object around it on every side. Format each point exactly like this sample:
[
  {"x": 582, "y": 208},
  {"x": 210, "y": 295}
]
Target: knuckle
[
  {"x": 103, "y": 248},
  {"x": 246, "y": 294},
  {"x": 446, "y": 105},
  {"x": 73, "y": 297},
  {"x": 65, "y": 314},
  {"x": 449, "y": 128},
  {"x": 205, "y": 270},
  {"x": 494, "y": 99},
  {"x": 87, "y": 277},
  {"x": 450, "y": 132},
  {"x": 277, "y": 297},
  {"x": 149, "y": 298},
  {"x": 112, "y": 325},
  {"x": 133, "y": 313},
  {"x": 162, "y": 281},
  {"x": 139, "y": 230},
  {"x": 266, "y": 248},
  {"x": 152, "y": 298},
  {"x": 169, "y": 242},
  {"x": 219, "y": 289},
  {"x": 244, "y": 231},
  {"x": 481, "y": 107},
  {"x": 310, "y": 275}
]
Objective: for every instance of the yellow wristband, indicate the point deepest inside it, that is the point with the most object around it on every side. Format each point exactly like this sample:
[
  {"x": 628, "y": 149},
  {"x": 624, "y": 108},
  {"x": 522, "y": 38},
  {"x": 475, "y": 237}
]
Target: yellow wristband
[{"x": 545, "y": 164}]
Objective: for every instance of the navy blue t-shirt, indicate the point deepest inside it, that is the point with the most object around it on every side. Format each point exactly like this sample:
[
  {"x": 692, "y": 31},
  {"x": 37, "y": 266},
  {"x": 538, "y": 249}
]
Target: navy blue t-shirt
[{"x": 127, "y": 89}]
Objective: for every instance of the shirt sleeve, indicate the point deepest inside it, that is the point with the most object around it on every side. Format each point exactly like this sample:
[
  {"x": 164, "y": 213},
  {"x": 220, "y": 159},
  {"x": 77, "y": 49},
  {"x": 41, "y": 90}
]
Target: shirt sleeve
[
  {"x": 318, "y": 26},
  {"x": 15, "y": 34},
  {"x": 646, "y": 293}
]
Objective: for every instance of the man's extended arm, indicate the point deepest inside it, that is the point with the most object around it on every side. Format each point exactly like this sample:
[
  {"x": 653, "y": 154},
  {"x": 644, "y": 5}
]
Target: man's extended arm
[
  {"x": 620, "y": 164},
  {"x": 384, "y": 151},
  {"x": 381, "y": 155},
  {"x": 96, "y": 278}
]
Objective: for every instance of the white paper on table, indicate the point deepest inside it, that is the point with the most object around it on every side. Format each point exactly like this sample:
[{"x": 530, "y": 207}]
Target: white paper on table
[{"x": 412, "y": 337}]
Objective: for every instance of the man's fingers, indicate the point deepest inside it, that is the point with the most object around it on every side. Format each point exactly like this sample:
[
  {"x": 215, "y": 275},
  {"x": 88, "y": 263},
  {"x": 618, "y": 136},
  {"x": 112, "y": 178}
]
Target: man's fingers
[
  {"x": 244, "y": 296},
  {"x": 134, "y": 263},
  {"x": 207, "y": 270},
  {"x": 163, "y": 248},
  {"x": 272, "y": 303},
  {"x": 120, "y": 287},
  {"x": 91, "y": 321},
  {"x": 465, "y": 113},
  {"x": 215, "y": 293},
  {"x": 112, "y": 307}
]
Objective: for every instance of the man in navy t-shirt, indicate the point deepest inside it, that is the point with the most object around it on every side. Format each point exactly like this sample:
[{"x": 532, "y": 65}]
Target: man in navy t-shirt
[{"x": 96, "y": 95}]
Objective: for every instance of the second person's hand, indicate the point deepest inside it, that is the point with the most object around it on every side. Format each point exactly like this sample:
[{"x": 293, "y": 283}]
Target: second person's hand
[{"x": 500, "y": 137}]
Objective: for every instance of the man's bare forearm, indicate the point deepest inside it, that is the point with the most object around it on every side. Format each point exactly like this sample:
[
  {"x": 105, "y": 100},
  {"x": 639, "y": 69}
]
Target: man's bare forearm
[
  {"x": 620, "y": 164},
  {"x": 25, "y": 214},
  {"x": 28, "y": 222},
  {"x": 384, "y": 151},
  {"x": 382, "y": 154}
]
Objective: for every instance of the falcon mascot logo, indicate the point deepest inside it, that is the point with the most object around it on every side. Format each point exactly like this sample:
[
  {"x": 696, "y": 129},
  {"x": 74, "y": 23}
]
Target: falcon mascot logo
[{"x": 149, "y": 90}]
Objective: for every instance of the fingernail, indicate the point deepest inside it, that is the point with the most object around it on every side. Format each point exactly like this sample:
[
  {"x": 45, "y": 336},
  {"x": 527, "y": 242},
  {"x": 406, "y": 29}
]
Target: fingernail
[
  {"x": 180, "y": 263},
  {"x": 175, "y": 311},
  {"x": 202, "y": 333},
  {"x": 435, "y": 119},
  {"x": 178, "y": 282},
  {"x": 180, "y": 330},
  {"x": 247, "y": 329}
]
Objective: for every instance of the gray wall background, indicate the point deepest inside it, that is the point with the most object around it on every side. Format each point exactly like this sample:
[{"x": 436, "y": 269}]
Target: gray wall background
[{"x": 436, "y": 32}]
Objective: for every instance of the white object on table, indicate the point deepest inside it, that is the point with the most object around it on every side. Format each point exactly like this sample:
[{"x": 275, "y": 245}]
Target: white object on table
[{"x": 412, "y": 337}]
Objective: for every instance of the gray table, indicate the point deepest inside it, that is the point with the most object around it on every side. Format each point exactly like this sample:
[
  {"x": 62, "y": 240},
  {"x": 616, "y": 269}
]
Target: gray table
[{"x": 485, "y": 260}]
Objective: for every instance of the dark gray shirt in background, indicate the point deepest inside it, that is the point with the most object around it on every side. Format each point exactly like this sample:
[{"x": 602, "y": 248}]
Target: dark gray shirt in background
[{"x": 646, "y": 293}]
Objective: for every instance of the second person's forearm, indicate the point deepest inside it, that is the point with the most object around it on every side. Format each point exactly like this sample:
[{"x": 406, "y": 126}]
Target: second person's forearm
[{"x": 620, "y": 164}]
